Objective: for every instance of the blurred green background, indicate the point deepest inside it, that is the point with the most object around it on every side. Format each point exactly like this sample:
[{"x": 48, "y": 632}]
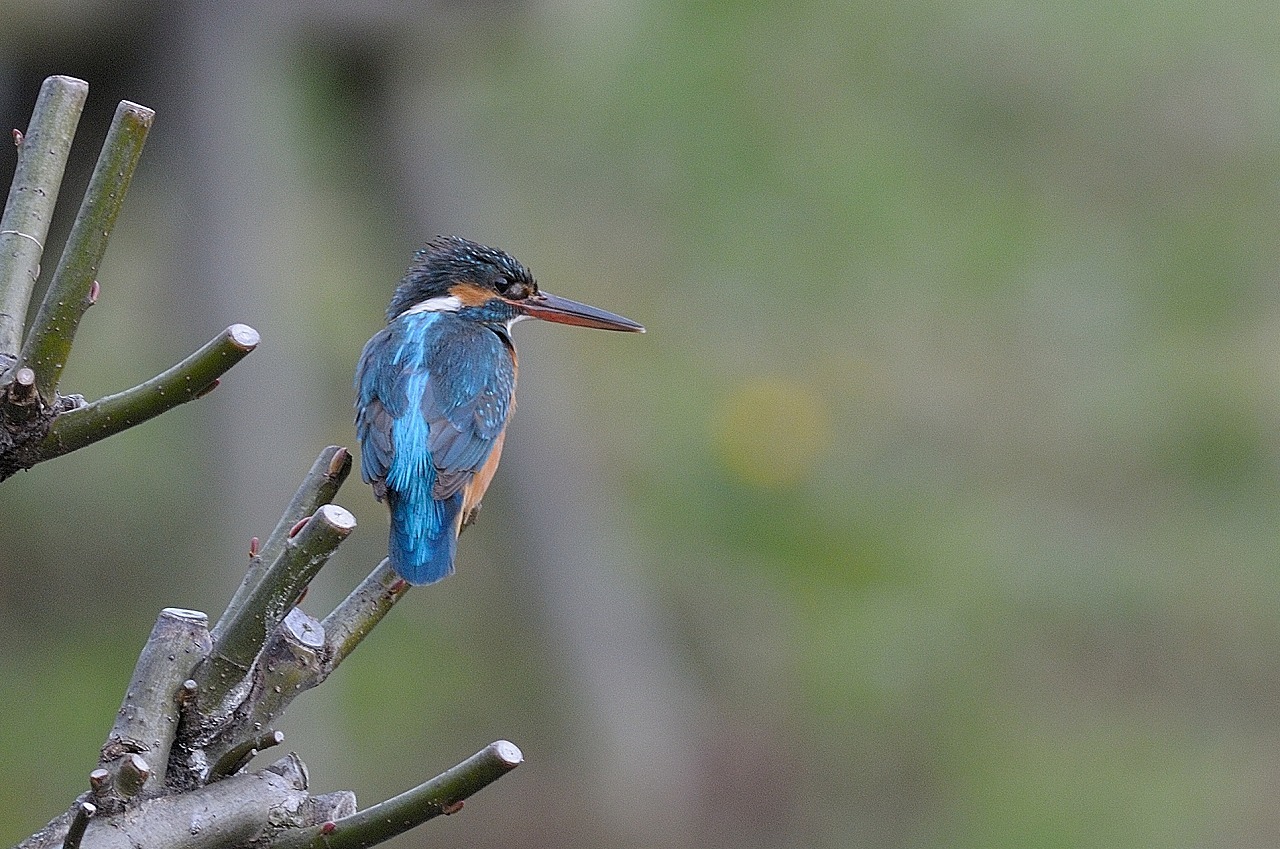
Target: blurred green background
[{"x": 936, "y": 509}]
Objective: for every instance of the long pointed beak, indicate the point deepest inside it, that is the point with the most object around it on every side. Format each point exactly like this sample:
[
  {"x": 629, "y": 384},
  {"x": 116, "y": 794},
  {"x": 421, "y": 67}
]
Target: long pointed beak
[{"x": 564, "y": 311}]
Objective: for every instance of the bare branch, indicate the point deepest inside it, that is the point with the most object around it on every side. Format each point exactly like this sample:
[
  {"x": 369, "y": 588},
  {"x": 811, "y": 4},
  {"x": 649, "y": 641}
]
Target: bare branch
[
  {"x": 48, "y": 343},
  {"x": 443, "y": 794},
  {"x": 353, "y": 619},
  {"x": 235, "y": 812},
  {"x": 148, "y": 718},
  {"x": 187, "y": 380},
  {"x": 268, "y": 603},
  {"x": 319, "y": 487},
  {"x": 299, "y": 655},
  {"x": 200, "y": 704},
  {"x": 81, "y": 813},
  {"x": 42, "y": 159}
]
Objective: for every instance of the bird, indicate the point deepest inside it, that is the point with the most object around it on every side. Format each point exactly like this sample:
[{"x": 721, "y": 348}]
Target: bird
[{"x": 435, "y": 389}]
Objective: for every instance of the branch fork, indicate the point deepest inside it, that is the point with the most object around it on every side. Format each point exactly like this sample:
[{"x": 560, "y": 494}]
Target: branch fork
[
  {"x": 36, "y": 422},
  {"x": 202, "y": 703}
]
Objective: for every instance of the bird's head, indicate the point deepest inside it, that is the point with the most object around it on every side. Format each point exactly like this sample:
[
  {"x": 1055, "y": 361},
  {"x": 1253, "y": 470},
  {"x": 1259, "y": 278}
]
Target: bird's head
[{"x": 453, "y": 274}]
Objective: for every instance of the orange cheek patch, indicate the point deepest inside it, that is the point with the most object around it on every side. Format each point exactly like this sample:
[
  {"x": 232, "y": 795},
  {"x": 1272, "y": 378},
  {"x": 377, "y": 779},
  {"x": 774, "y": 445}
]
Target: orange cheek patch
[{"x": 470, "y": 294}]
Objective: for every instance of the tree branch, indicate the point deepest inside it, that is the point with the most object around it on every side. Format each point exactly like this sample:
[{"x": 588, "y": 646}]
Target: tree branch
[
  {"x": 37, "y": 424},
  {"x": 147, "y": 721},
  {"x": 353, "y": 619},
  {"x": 82, "y": 812},
  {"x": 267, "y": 604},
  {"x": 300, "y": 654},
  {"x": 443, "y": 794},
  {"x": 49, "y": 341},
  {"x": 42, "y": 159},
  {"x": 238, "y": 757},
  {"x": 190, "y": 379},
  {"x": 200, "y": 704},
  {"x": 235, "y": 812},
  {"x": 319, "y": 487}
]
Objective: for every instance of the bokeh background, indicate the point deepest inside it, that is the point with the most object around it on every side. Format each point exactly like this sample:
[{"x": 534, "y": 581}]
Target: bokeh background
[{"x": 938, "y": 507}]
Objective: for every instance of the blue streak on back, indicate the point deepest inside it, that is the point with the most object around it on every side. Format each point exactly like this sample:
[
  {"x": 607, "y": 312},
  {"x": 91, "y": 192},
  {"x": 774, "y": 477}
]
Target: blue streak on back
[
  {"x": 433, "y": 394},
  {"x": 423, "y": 534},
  {"x": 392, "y": 380}
]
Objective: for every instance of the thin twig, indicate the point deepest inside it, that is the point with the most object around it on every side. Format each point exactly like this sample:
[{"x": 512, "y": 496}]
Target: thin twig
[
  {"x": 42, "y": 159},
  {"x": 82, "y": 813},
  {"x": 183, "y": 382},
  {"x": 269, "y": 602},
  {"x": 443, "y": 794},
  {"x": 319, "y": 487},
  {"x": 238, "y": 757},
  {"x": 68, "y": 296}
]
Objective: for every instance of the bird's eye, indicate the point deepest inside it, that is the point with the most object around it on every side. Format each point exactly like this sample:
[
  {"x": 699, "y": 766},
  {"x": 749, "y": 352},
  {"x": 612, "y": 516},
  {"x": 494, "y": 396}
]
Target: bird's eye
[{"x": 516, "y": 290}]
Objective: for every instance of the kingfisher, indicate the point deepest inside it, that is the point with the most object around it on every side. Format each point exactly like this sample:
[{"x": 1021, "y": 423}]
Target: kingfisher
[{"x": 435, "y": 389}]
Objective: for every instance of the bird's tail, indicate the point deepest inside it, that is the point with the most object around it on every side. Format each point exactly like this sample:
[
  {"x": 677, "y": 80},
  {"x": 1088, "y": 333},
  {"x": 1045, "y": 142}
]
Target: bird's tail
[{"x": 424, "y": 537}]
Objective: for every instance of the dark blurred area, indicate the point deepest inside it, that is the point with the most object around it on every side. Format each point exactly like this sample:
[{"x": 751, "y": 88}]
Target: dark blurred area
[{"x": 937, "y": 507}]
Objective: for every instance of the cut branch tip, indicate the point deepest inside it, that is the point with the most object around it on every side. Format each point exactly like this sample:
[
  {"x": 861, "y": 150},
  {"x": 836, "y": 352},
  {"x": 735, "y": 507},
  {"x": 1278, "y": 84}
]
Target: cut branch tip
[
  {"x": 185, "y": 614},
  {"x": 23, "y": 389},
  {"x": 338, "y": 518},
  {"x": 509, "y": 753},
  {"x": 133, "y": 773},
  {"x": 303, "y": 628},
  {"x": 82, "y": 812},
  {"x": 341, "y": 458},
  {"x": 254, "y": 545},
  {"x": 98, "y": 780},
  {"x": 66, "y": 82},
  {"x": 140, "y": 114},
  {"x": 243, "y": 336}
]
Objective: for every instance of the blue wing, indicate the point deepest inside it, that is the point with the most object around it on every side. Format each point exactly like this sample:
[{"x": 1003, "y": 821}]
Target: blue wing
[{"x": 433, "y": 396}]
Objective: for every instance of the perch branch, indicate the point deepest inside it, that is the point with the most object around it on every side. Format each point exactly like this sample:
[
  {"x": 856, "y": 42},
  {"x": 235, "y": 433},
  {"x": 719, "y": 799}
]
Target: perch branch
[
  {"x": 42, "y": 158},
  {"x": 301, "y": 654},
  {"x": 69, "y": 294},
  {"x": 187, "y": 380},
  {"x": 319, "y": 487},
  {"x": 443, "y": 794},
  {"x": 353, "y": 619}
]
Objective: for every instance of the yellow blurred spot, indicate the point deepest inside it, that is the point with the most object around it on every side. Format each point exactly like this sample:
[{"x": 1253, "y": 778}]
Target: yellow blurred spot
[{"x": 770, "y": 431}]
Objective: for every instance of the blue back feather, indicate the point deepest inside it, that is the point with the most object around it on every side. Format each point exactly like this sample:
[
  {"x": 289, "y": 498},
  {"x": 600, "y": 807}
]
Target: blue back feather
[{"x": 433, "y": 394}]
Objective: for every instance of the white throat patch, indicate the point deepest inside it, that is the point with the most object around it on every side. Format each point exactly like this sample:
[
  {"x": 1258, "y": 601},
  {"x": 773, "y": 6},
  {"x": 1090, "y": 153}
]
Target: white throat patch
[{"x": 443, "y": 303}]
